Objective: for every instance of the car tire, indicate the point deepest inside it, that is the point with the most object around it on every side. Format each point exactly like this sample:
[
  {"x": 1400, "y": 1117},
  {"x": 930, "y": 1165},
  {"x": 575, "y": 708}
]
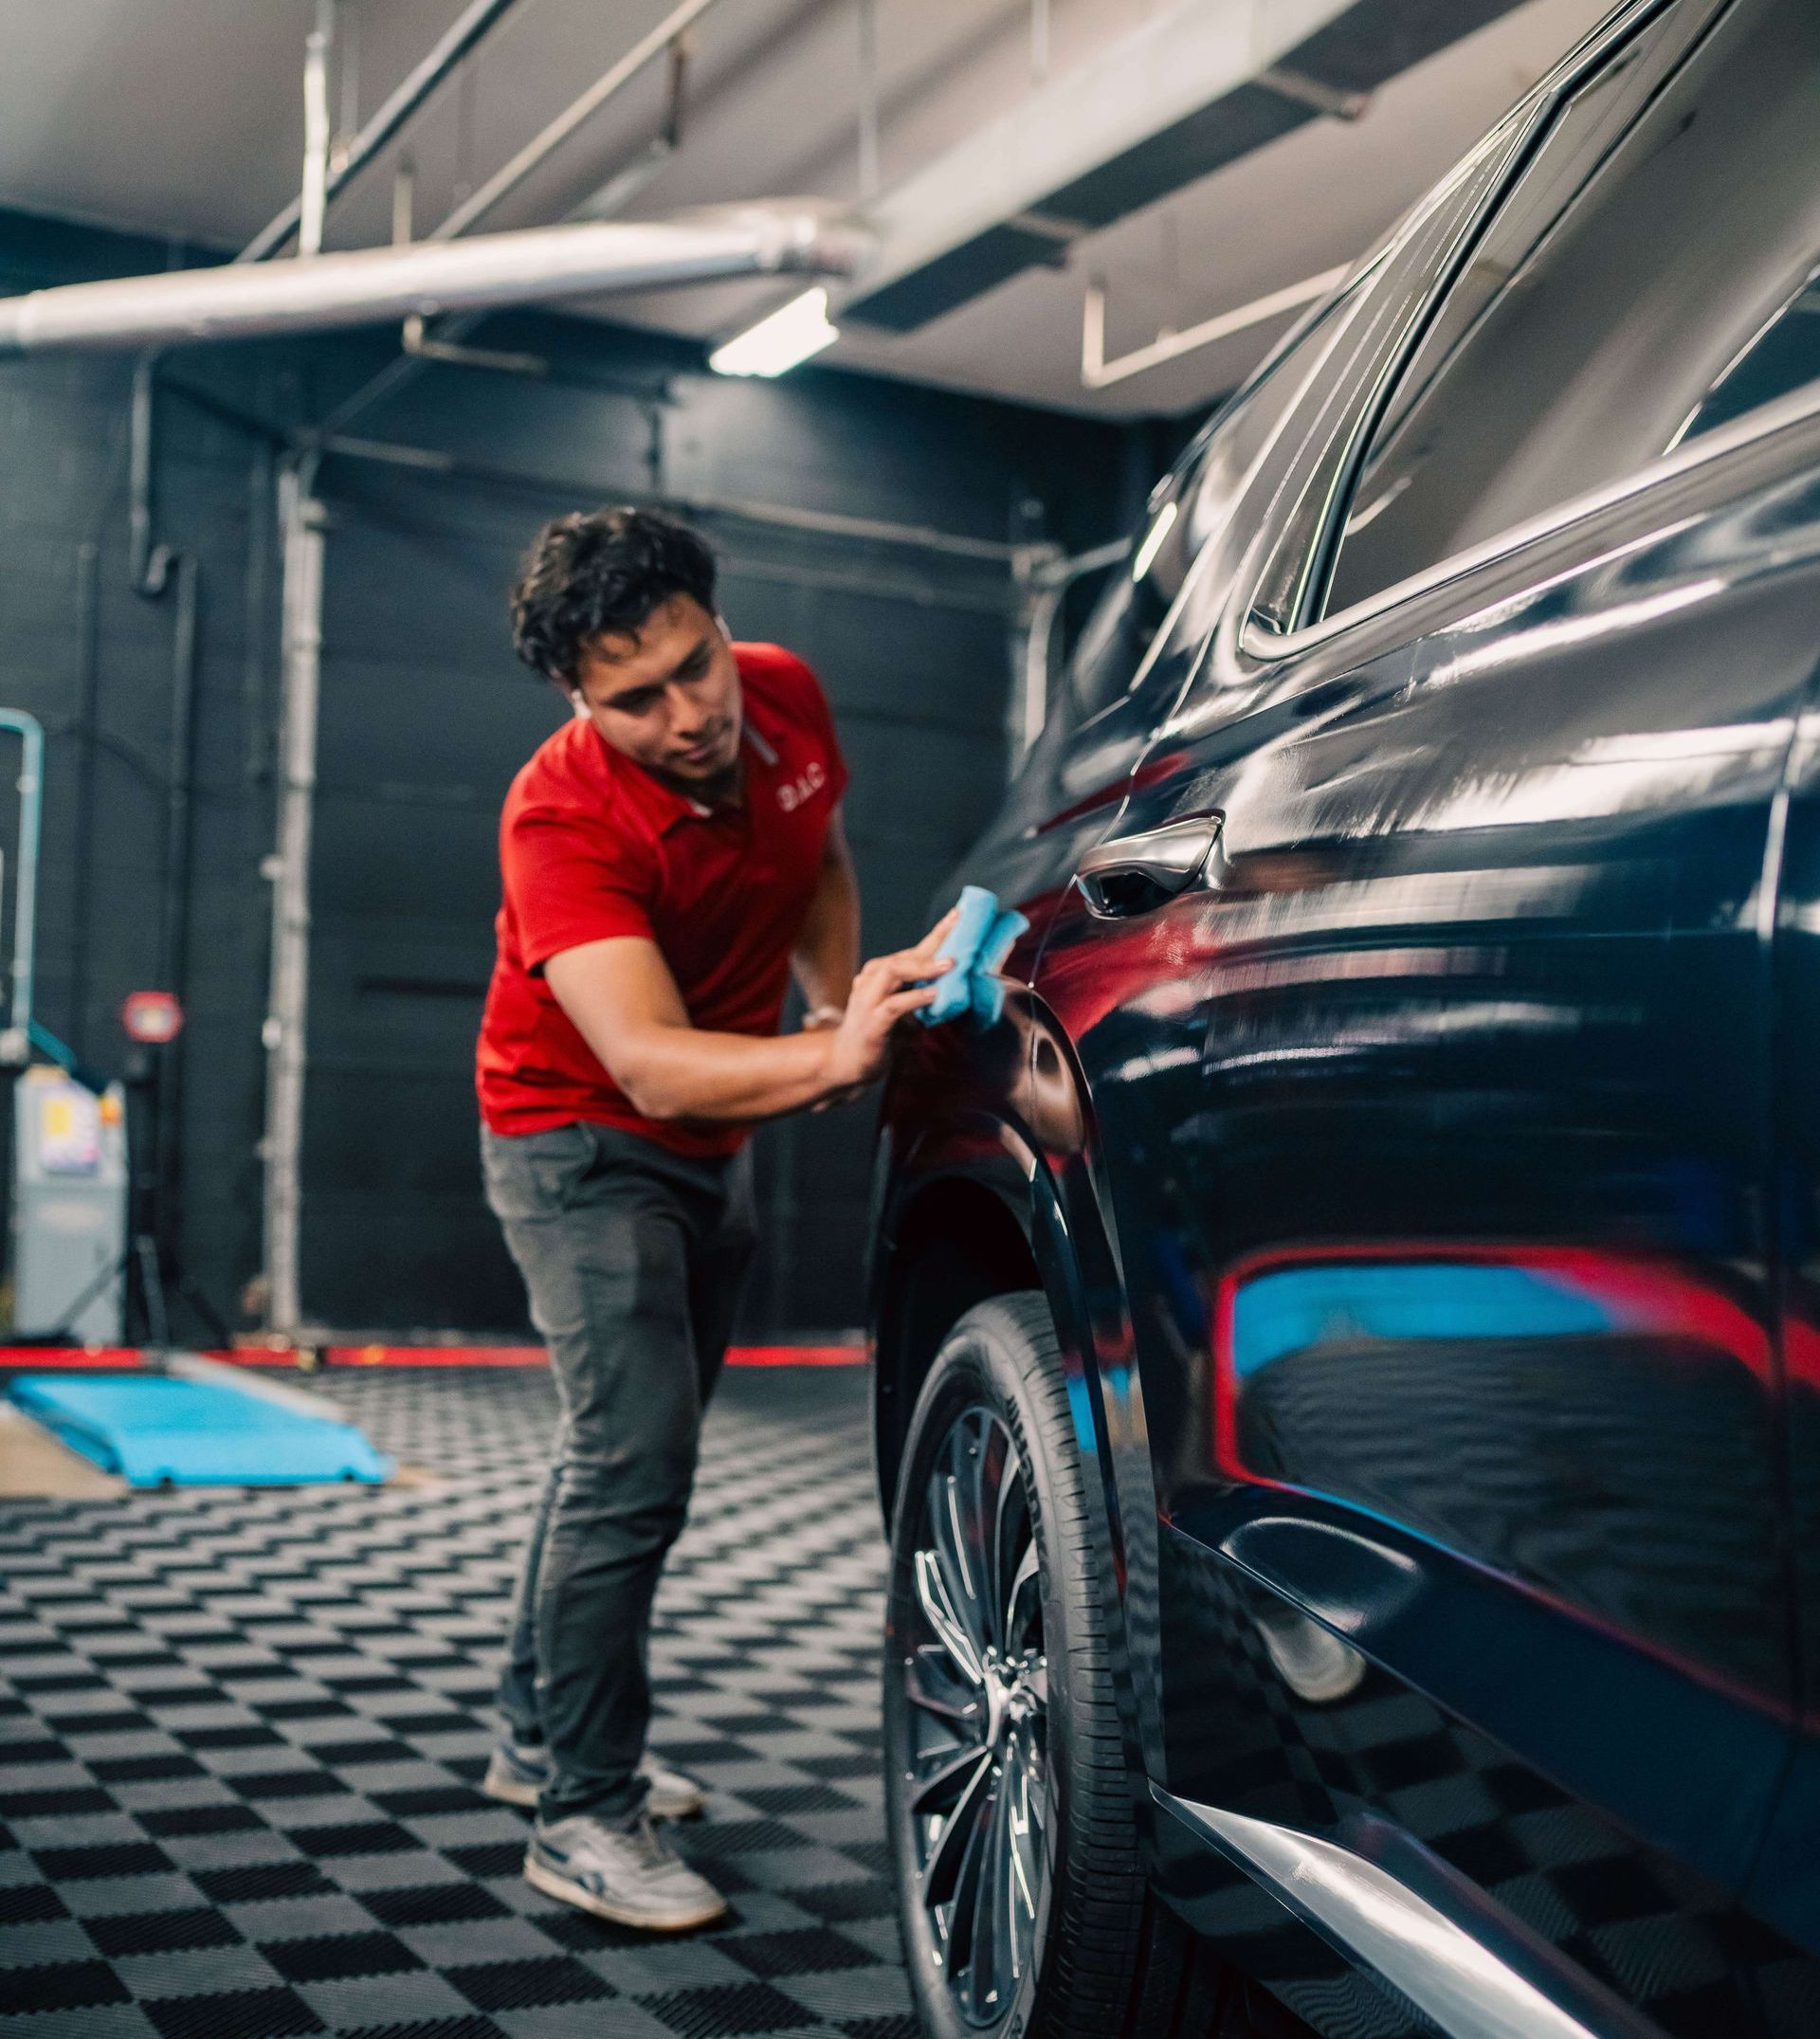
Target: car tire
[{"x": 1023, "y": 1904}]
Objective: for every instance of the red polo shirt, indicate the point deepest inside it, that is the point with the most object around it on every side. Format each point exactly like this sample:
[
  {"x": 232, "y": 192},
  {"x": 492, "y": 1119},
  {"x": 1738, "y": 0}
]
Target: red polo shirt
[{"x": 591, "y": 846}]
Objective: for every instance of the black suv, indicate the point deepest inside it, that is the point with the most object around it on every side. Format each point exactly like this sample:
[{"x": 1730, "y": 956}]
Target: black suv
[{"x": 1348, "y": 1335}]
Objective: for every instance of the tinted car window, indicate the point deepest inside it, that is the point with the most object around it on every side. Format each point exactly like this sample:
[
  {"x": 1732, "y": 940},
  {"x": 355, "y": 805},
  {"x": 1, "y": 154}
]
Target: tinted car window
[
  {"x": 1781, "y": 357},
  {"x": 1629, "y": 324},
  {"x": 1184, "y": 512},
  {"x": 1125, "y": 618}
]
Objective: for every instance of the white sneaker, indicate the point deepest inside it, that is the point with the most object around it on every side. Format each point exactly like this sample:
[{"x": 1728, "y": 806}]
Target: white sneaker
[
  {"x": 519, "y": 1769},
  {"x": 629, "y": 1875}
]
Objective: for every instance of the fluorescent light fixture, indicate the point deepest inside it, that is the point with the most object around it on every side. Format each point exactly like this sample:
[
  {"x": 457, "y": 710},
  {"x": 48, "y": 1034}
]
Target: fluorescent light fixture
[
  {"x": 1154, "y": 540},
  {"x": 790, "y": 334}
]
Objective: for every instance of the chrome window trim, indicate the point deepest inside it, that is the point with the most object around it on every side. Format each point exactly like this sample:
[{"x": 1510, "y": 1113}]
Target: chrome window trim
[
  {"x": 1262, "y": 640},
  {"x": 1786, "y": 413},
  {"x": 1201, "y": 565},
  {"x": 1514, "y": 138}
]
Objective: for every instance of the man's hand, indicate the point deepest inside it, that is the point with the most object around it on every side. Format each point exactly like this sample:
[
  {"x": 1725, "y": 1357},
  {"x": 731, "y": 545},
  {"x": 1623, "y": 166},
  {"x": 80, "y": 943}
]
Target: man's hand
[{"x": 887, "y": 989}]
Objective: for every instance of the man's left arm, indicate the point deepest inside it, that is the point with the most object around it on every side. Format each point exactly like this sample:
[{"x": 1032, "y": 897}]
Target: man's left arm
[{"x": 827, "y": 951}]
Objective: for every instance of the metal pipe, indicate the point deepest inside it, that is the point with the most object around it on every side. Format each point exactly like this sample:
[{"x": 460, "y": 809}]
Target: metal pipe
[
  {"x": 868, "y": 100},
  {"x": 373, "y": 285},
  {"x": 313, "y": 200},
  {"x": 347, "y": 120},
  {"x": 820, "y": 523},
  {"x": 552, "y": 138},
  {"x": 462, "y": 36},
  {"x": 24, "y": 912},
  {"x": 1097, "y": 373},
  {"x": 148, "y": 566},
  {"x": 604, "y": 203},
  {"x": 1039, "y": 40},
  {"x": 465, "y": 91},
  {"x": 301, "y": 520},
  {"x": 174, "y": 913},
  {"x": 88, "y": 687},
  {"x": 261, "y": 487},
  {"x": 403, "y": 203},
  {"x": 609, "y": 199}
]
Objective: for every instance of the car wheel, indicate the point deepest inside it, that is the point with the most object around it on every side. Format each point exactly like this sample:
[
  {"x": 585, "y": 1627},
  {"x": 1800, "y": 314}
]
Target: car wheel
[{"x": 1022, "y": 1898}]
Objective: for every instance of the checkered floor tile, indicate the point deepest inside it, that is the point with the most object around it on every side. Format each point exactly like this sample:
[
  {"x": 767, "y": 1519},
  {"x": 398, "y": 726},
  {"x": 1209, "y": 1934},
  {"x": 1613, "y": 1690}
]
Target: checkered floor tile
[{"x": 241, "y": 1735}]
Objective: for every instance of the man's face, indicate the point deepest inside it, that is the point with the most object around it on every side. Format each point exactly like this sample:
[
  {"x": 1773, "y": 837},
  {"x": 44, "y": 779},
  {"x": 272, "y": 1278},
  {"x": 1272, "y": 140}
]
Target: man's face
[{"x": 667, "y": 697}]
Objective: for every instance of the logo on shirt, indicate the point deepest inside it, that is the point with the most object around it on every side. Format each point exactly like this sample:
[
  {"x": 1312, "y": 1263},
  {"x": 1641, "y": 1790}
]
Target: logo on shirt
[{"x": 792, "y": 793}]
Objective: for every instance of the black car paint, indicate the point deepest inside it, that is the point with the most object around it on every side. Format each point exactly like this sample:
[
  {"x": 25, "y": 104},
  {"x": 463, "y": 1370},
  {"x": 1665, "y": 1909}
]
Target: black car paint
[{"x": 1494, "y": 999}]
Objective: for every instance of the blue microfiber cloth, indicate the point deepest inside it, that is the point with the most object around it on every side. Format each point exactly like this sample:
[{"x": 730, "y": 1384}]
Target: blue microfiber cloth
[{"x": 979, "y": 941}]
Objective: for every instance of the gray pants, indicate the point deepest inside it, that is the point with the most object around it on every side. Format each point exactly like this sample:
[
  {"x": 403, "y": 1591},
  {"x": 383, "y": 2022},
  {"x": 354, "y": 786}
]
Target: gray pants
[{"x": 633, "y": 1258}]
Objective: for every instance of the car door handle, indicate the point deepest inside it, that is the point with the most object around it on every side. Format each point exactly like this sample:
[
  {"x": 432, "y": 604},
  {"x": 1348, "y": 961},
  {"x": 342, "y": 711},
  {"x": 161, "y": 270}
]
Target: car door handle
[{"x": 1133, "y": 874}]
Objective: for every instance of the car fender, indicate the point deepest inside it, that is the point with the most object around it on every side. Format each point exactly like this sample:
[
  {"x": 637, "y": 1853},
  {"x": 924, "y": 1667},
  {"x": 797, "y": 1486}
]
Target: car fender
[{"x": 1038, "y": 1167}]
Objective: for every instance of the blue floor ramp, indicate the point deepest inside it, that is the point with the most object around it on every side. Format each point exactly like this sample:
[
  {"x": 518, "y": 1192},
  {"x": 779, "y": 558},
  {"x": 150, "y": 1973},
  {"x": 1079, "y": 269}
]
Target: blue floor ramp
[{"x": 155, "y": 1430}]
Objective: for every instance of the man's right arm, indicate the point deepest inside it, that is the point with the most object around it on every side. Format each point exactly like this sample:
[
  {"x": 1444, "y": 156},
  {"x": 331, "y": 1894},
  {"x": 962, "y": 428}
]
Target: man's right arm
[{"x": 624, "y": 1002}]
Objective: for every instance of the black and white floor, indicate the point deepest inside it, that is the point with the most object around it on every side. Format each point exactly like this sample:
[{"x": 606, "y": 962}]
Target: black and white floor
[{"x": 241, "y": 1734}]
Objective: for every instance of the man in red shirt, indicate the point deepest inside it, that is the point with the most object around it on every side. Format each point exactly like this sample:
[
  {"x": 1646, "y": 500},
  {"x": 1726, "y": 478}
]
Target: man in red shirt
[{"x": 670, "y": 857}]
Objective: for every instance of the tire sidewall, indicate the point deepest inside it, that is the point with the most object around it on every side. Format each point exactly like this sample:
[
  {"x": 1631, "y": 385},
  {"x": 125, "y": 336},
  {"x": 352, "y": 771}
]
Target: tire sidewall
[{"x": 984, "y": 1361}]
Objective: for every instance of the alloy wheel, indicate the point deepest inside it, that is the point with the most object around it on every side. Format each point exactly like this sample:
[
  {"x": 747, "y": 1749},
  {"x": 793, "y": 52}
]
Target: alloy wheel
[{"x": 975, "y": 1678}]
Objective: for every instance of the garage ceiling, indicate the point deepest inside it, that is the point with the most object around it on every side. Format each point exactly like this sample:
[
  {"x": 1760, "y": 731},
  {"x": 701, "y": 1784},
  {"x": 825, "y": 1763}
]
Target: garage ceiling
[{"x": 185, "y": 118}]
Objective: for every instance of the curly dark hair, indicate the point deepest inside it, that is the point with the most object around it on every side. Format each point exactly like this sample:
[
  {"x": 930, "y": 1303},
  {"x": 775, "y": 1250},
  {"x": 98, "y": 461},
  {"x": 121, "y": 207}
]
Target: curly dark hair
[{"x": 602, "y": 571}]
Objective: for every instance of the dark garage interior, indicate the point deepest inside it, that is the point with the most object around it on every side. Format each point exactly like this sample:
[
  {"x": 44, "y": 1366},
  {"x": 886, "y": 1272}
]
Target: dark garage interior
[
  {"x": 426, "y": 715},
  {"x": 907, "y": 930}
]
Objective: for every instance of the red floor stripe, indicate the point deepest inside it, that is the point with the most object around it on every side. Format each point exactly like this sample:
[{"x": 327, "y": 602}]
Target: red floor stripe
[{"x": 118, "y": 1358}]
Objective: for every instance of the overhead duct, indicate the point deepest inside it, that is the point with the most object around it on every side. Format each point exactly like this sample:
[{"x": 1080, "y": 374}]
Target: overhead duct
[
  {"x": 1198, "y": 88},
  {"x": 383, "y": 284}
]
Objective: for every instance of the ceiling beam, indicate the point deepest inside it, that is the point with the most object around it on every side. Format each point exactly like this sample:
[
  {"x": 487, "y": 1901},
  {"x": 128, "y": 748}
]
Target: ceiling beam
[{"x": 1203, "y": 84}]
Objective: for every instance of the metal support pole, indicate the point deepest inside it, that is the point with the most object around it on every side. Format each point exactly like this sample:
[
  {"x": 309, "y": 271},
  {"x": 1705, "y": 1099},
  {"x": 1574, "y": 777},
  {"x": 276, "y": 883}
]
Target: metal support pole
[
  {"x": 403, "y": 203},
  {"x": 148, "y": 565},
  {"x": 539, "y": 146},
  {"x": 462, "y": 36},
  {"x": 301, "y": 521},
  {"x": 24, "y": 912},
  {"x": 1045, "y": 576},
  {"x": 314, "y": 199},
  {"x": 348, "y": 120},
  {"x": 868, "y": 100},
  {"x": 88, "y": 666},
  {"x": 174, "y": 913}
]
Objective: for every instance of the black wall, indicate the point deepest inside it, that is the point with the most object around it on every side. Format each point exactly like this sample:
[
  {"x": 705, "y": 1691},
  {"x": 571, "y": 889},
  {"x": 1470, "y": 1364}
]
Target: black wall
[{"x": 426, "y": 716}]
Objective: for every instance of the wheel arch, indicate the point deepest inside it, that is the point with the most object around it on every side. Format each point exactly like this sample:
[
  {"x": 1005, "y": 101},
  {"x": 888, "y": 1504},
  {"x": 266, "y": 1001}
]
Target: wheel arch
[
  {"x": 952, "y": 1241},
  {"x": 961, "y": 1221}
]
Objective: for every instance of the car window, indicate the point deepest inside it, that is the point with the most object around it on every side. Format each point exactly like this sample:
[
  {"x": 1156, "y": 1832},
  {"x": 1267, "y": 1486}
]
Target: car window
[
  {"x": 1389, "y": 311},
  {"x": 1116, "y": 636},
  {"x": 1672, "y": 294},
  {"x": 1185, "y": 510},
  {"x": 1783, "y": 356}
]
